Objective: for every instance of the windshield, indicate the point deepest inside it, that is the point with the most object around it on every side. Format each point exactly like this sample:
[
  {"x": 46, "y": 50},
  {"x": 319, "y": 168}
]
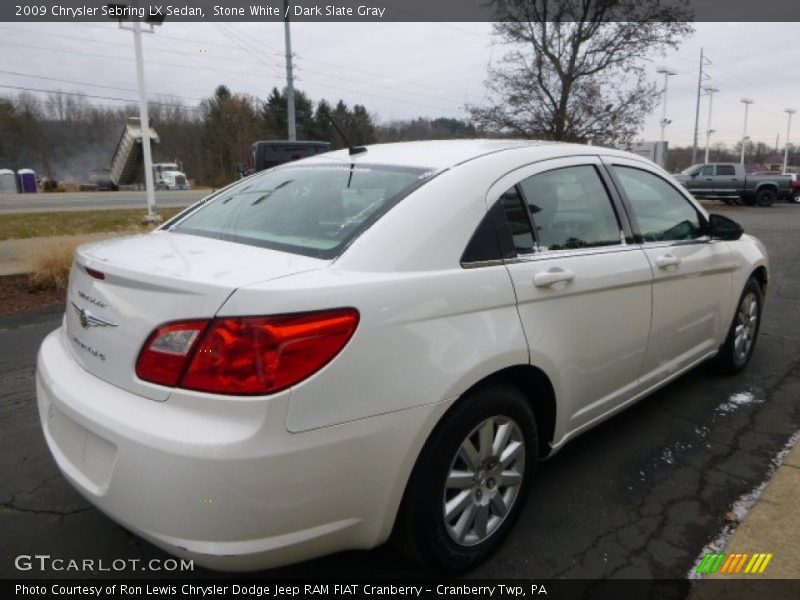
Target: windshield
[
  {"x": 314, "y": 210},
  {"x": 691, "y": 170}
]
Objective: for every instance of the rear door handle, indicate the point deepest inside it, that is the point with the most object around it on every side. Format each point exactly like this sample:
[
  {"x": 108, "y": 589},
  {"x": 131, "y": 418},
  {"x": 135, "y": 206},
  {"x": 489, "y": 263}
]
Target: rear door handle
[
  {"x": 553, "y": 276},
  {"x": 667, "y": 260}
]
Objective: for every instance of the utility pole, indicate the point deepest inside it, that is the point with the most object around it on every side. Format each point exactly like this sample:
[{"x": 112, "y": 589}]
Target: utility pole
[
  {"x": 747, "y": 102},
  {"x": 144, "y": 121},
  {"x": 703, "y": 62},
  {"x": 290, "y": 116},
  {"x": 144, "y": 118},
  {"x": 710, "y": 90},
  {"x": 789, "y": 112},
  {"x": 664, "y": 120}
]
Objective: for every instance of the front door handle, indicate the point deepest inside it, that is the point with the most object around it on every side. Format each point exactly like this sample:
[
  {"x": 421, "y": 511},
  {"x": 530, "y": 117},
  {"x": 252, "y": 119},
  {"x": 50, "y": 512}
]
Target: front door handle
[
  {"x": 553, "y": 276},
  {"x": 667, "y": 260}
]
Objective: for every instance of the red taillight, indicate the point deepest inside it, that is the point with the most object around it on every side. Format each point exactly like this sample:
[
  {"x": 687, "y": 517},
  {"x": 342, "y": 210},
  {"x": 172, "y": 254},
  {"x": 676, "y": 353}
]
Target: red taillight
[{"x": 256, "y": 355}]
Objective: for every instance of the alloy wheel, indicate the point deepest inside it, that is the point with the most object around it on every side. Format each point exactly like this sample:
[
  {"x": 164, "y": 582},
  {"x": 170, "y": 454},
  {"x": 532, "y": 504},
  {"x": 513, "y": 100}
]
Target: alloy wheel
[
  {"x": 746, "y": 326},
  {"x": 484, "y": 480}
]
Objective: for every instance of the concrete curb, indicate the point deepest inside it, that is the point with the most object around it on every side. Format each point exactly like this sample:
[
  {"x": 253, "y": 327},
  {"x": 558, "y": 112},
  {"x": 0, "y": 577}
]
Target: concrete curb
[{"x": 771, "y": 527}]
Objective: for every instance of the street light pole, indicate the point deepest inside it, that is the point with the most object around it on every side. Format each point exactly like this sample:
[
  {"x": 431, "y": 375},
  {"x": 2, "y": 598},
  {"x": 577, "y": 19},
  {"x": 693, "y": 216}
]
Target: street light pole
[
  {"x": 710, "y": 91},
  {"x": 790, "y": 112},
  {"x": 144, "y": 121},
  {"x": 747, "y": 102},
  {"x": 664, "y": 121}
]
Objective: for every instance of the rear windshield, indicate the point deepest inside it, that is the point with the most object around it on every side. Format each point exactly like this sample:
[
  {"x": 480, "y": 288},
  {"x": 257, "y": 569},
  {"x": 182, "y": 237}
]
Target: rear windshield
[{"x": 314, "y": 210}]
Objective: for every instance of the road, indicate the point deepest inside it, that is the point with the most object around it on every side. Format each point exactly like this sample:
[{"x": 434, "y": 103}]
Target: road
[
  {"x": 637, "y": 497},
  {"x": 71, "y": 201}
]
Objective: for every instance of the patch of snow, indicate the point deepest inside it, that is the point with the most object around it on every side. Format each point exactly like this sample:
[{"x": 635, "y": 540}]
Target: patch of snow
[{"x": 736, "y": 401}]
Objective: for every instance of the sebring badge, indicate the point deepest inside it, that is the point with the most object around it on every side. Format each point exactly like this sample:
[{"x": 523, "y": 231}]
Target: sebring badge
[{"x": 87, "y": 319}]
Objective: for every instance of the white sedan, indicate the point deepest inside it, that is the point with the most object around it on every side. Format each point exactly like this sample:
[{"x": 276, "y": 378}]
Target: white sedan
[{"x": 376, "y": 344}]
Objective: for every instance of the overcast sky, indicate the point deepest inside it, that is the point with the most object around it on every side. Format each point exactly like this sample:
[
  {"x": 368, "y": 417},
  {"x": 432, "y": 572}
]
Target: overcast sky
[{"x": 397, "y": 70}]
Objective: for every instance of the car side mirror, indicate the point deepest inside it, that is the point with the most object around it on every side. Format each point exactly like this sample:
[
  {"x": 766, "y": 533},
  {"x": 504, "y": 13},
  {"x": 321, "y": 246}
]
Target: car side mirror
[{"x": 723, "y": 228}]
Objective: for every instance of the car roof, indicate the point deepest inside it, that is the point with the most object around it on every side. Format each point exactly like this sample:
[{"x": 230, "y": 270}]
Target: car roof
[{"x": 442, "y": 154}]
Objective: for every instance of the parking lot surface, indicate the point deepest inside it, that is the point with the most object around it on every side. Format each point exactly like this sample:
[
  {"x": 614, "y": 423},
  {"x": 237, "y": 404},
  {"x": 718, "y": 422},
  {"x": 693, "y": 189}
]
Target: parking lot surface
[{"x": 637, "y": 497}]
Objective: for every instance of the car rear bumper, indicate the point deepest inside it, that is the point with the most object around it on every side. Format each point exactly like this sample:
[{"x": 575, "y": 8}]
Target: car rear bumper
[{"x": 220, "y": 480}]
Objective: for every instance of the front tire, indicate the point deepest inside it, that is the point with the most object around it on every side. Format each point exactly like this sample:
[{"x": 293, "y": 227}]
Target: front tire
[
  {"x": 470, "y": 480},
  {"x": 738, "y": 348}
]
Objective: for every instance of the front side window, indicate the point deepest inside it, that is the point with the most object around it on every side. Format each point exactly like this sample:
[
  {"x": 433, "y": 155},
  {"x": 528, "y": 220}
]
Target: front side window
[
  {"x": 662, "y": 212},
  {"x": 708, "y": 171},
  {"x": 314, "y": 210},
  {"x": 571, "y": 209}
]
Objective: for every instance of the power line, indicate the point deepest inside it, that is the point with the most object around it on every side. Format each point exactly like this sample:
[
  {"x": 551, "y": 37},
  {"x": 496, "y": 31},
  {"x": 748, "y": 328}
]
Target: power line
[
  {"x": 93, "y": 96},
  {"x": 97, "y": 85}
]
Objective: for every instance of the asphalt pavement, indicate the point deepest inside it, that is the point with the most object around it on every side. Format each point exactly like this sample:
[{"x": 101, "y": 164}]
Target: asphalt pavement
[
  {"x": 640, "y": 496},
  {"x": 74, "y": 201}
]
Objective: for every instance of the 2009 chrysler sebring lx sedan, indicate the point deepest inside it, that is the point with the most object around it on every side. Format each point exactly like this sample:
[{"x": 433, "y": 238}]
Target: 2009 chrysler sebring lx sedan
[{"x": 384, "y": 343}]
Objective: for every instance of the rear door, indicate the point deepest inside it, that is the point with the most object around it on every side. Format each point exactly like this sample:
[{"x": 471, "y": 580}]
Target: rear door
[
  {"x": 583, "y": 288},
  {"x": 726, "y": 181},
  {"x": 692, "y": 274}
]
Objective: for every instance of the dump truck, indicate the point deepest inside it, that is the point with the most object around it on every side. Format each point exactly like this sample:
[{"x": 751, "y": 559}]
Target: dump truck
[
  {"x": 169, "y": 176},
  {"x": 127, "y": 166}
]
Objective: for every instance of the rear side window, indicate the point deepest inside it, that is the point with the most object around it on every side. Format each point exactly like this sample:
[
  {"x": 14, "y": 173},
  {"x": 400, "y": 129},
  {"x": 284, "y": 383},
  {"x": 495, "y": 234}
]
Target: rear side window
[
  {"x": 663, "y": 214},
  {"x": 571, "y": 209},
  {"x": 726, "y": 170},
  {"x": 314, "y": 210}
]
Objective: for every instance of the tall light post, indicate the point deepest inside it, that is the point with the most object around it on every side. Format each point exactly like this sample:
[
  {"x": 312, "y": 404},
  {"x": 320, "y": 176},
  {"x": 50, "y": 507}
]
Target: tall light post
[
  {"x": 664, "y": 121},
  {"x": 710, "y": 90},
  {"x": 789, "y": 112},
  {"x": 144, "y": 118},
  {"x": 747, "y": 102}
]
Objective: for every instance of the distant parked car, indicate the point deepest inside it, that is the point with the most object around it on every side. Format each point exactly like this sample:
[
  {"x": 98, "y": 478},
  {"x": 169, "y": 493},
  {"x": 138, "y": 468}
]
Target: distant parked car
[
  {"x": 729, "y": 182},
  {"x": 353, "y": 345}
]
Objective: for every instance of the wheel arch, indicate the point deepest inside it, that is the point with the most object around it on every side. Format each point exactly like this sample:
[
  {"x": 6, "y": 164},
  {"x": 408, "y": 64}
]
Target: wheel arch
[
  {"x": 762, "y": 276},
  {"x": 537, "y": 388},
  {"x": 767, "y": 185}
]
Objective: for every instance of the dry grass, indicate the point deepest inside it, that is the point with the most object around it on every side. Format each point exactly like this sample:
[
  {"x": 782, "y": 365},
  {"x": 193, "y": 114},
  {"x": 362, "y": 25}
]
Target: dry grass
[
  {"x": 52, "y": 261},
  {"x": 28, "y": 225}
]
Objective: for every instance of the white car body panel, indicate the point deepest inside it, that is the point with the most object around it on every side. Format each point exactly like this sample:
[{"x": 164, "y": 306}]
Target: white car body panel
[
  {"x": 154, "y": 279},
  {"x": 261, "y": 481}
]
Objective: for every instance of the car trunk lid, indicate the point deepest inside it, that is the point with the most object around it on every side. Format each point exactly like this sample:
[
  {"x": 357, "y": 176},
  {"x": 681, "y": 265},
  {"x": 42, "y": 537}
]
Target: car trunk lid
[{"x": 121, "y": 290}]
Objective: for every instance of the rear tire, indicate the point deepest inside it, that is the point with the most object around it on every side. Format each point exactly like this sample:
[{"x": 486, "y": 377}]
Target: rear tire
[
  {"x": 470, "y": 481},
  {"x": 766, "y": 197},
  {"x": 738, "y": 348}
]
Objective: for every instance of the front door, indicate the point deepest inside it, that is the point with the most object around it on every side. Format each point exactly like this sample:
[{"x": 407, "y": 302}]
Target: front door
[
  {"x": 692, "y": 274},
  {"x": 583, "y": 291}
]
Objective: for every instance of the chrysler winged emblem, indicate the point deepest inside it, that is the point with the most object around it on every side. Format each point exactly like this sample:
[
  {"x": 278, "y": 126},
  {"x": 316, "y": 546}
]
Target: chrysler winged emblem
[{"x": 87, "y": 319}]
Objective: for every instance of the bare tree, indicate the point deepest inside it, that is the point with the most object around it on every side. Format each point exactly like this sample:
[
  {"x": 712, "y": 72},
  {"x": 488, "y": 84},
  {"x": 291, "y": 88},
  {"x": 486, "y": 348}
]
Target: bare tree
[{"x": 574, "y": 70}]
